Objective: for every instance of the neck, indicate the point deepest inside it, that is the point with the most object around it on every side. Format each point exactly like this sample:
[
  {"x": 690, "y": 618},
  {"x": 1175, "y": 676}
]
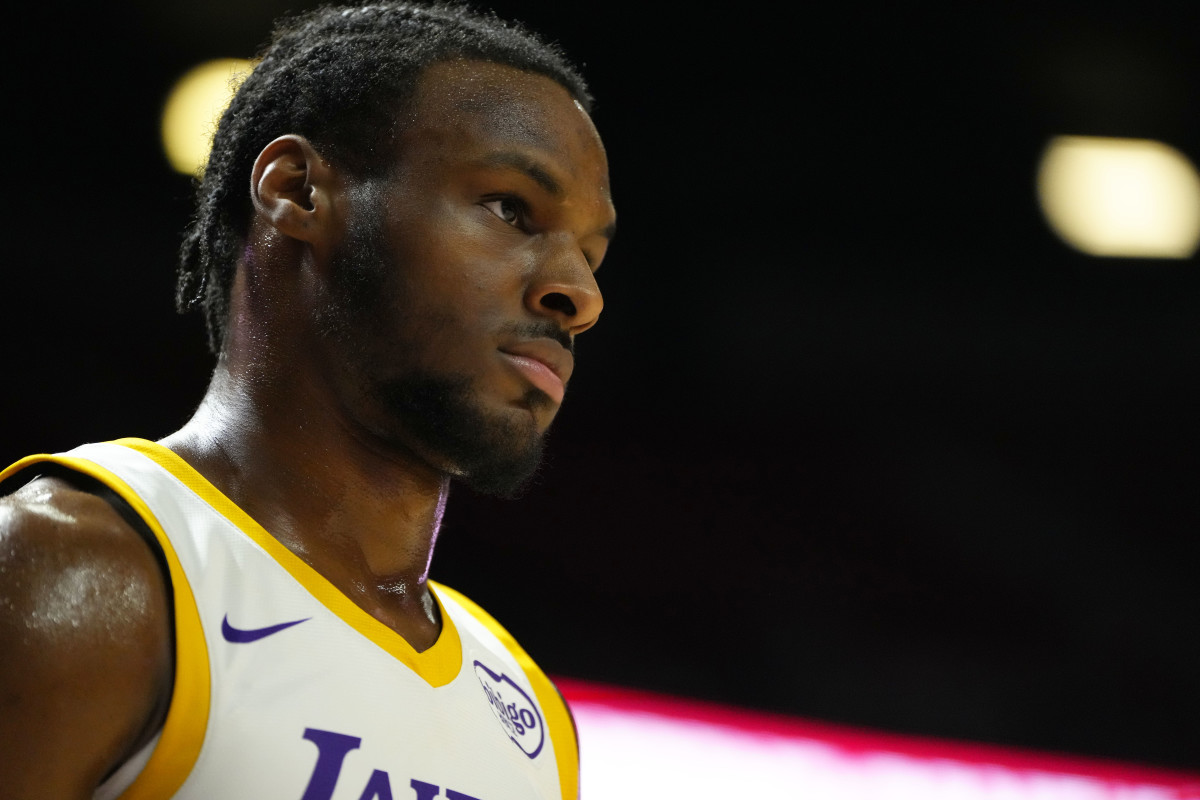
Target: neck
[{"x": 363, "y": 516}]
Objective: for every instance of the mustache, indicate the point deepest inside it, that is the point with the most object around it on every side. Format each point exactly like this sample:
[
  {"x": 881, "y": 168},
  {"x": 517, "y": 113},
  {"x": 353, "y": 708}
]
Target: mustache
[{"x": 544, "y": 329}]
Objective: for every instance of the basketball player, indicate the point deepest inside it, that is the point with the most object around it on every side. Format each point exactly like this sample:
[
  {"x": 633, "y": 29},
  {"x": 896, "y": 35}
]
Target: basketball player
[{"x": 395, "y": 246}]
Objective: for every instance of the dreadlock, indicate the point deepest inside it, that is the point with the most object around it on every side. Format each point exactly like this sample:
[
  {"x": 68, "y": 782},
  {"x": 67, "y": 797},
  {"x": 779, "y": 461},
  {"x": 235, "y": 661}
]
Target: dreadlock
[{"x": 342, "y": 78}]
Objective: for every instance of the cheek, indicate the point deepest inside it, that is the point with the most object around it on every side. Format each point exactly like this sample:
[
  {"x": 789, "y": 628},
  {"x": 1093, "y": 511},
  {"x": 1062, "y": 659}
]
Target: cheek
[
  {"x": 456, "y": 278},
  {"x": 429, "y": 321},
  {"x": 471, "y": 280}
]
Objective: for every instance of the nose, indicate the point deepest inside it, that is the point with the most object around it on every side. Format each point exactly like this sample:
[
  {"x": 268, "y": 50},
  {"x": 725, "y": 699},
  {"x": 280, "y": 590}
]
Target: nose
[{"x": 565, "y": 290}]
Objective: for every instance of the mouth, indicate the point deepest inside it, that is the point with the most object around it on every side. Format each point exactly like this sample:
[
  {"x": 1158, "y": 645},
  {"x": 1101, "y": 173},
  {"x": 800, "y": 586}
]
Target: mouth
[{"x": 543, "y": 363}]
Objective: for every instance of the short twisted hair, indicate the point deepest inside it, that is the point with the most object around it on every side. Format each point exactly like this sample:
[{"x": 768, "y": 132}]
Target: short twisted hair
[{"x": 341, "y": 77}]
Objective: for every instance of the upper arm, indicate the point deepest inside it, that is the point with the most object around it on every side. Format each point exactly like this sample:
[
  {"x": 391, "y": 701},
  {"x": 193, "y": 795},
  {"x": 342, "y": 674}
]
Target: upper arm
[{"x": 85, "y": 641}]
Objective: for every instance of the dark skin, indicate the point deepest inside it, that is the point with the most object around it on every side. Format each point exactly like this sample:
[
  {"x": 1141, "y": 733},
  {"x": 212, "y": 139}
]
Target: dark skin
[{"x": 497, "y": 217}]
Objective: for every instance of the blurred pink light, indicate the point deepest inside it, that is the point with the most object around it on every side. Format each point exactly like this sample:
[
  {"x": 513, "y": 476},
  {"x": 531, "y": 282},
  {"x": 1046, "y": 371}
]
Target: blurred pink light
[{"x": 637, "y": 745}]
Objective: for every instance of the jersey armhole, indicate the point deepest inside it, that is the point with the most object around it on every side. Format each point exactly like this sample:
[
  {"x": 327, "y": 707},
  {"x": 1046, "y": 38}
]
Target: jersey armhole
[
  {"x": 150, "y": 733},
  {"x": 182, "y": 733}
]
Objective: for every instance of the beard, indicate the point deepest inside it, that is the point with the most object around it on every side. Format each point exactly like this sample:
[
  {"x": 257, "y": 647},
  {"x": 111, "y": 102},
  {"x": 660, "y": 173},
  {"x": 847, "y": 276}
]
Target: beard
[
  {"x": 495, "y": 456},
  {"x": 436, "y": 416}
]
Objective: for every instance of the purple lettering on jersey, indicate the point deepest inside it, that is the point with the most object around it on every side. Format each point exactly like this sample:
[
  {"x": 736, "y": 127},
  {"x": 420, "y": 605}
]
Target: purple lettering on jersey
[
  {"x": 425, "y": 791},
  {"x": 515, "y": 710},
  {"x": 331, "y": 752},
  {"x": 378, "y": 787}
]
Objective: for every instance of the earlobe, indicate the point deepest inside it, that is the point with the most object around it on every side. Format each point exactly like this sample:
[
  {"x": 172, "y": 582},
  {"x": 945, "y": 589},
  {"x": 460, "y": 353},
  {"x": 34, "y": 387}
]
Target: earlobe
[{"x": 290, "y": 187}]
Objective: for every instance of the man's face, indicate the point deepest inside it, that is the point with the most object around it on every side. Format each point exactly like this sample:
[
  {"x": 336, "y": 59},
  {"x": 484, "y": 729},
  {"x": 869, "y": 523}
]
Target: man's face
[{"x": 464, "y": 276}]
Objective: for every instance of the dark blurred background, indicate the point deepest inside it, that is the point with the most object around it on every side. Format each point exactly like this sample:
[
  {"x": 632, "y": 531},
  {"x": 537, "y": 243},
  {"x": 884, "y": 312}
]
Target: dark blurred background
[{"x": 858, "y": 438}]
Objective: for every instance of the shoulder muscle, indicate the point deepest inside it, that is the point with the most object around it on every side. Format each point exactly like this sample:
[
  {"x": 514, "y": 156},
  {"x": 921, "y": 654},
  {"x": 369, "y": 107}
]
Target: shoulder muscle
[{"x": 85, "y": 642}]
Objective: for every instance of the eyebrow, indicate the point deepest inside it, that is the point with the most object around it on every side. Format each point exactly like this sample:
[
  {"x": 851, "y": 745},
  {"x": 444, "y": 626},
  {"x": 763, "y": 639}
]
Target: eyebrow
[
  {"x": 534, "y": 170},
  {"x": 529, "y": 166}
]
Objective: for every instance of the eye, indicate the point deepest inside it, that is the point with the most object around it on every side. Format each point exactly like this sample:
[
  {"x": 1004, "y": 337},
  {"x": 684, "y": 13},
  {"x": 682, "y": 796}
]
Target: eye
[{"x": 509, "y": 209}]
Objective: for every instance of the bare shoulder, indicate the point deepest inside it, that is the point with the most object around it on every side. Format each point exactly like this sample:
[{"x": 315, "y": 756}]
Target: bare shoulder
[{"x": 85, "y": 640}]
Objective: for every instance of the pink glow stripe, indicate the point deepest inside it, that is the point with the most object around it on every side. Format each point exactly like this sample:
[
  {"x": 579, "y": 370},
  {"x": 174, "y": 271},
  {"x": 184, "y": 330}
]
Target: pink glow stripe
[{"x": 854, "y": 743}]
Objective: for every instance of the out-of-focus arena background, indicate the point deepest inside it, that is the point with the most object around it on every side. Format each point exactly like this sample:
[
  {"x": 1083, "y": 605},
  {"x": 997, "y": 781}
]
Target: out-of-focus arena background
[{"x": 860, "y": 439}]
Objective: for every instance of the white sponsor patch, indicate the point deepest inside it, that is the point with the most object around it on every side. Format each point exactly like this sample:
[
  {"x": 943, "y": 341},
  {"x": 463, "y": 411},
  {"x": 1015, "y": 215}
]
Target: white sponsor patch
[{"x": 515, "y": 710}]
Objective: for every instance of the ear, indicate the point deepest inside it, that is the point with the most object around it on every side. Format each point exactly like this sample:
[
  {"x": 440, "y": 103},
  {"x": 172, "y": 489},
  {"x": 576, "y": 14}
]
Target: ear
[{"x": 293, "y": 189}]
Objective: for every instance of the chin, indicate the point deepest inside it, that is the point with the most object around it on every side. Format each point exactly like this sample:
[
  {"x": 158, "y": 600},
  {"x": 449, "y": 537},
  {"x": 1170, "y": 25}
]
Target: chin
[{"x": 507, "y": 478}]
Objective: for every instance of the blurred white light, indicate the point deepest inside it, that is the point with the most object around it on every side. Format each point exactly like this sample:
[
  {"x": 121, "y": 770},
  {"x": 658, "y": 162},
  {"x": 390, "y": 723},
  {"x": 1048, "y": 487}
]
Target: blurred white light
[
  {"x": 635, "y": 746},
  {"x": 193, "y": 108},
  {"x": 1120, "y": 197}
]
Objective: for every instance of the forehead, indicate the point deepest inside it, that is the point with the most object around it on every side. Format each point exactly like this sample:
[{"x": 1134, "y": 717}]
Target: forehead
[{"x": 464, "y": 107}]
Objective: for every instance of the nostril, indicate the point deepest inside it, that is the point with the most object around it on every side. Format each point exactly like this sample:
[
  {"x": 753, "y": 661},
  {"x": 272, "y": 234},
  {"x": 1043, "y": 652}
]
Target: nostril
[{"x": 557, "y": 301}]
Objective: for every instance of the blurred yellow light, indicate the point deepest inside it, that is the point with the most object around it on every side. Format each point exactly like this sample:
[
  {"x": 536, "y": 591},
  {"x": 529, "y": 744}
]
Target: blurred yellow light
[
  {"x": 1120, "y": 197},
  {"x": 193, "y": 108}
]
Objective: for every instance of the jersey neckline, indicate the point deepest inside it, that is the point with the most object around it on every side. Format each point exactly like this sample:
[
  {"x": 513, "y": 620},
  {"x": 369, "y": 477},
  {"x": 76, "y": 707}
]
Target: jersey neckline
[{"x": 438, "y": 665}]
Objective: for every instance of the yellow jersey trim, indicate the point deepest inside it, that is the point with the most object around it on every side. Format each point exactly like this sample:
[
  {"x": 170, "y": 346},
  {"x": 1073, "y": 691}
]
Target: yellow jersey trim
[
  {"x": 187, "y": 717},
  {"x": 437, "y": 666},
  {"x": 558, "y": 716}
]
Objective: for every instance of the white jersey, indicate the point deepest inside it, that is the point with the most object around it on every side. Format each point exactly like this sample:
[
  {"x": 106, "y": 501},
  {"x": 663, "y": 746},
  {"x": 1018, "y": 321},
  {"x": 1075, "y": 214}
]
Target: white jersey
[{"x": 287, "y": 690}]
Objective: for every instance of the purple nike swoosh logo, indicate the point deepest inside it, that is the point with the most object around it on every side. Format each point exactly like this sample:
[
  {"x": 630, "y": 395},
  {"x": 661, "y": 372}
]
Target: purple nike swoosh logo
[{"x": 240, "y": 636}]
